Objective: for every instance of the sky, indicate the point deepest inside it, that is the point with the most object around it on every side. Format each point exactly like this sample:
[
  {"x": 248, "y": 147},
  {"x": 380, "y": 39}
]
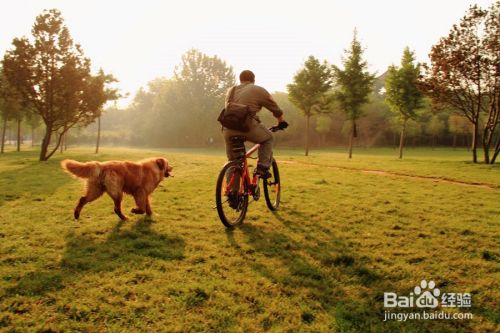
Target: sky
[{"x": 138, "y": 41}]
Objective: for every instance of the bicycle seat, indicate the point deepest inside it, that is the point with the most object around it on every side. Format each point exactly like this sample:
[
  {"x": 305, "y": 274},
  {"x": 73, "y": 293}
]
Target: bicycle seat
[{"x": 237, "y": 138}]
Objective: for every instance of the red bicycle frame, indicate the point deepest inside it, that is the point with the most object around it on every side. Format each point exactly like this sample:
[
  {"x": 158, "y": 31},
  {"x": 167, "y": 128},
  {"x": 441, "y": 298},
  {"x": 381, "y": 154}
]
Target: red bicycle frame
[{"x": 246, "y": 176}]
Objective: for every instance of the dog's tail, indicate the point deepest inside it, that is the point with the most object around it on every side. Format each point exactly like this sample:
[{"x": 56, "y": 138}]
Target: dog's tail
[{"x": 82, "y": 170}]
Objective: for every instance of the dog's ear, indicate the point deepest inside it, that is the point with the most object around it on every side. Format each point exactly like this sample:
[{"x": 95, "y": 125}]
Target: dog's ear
[{"x": 161, "y": 163}]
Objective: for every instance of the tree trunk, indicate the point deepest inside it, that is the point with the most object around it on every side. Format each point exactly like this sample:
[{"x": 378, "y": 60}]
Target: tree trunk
[
  {"x": 307, "y": 134},
  {"x": 45, "y": 144},
  {"x": 99, "y": 135},
  {"x": 489, "y": 129},
  {"x": 351, "y": 139},
  {"x": 58, "y": 144},
  {"x": 3, "y": 134},
  {"x": 19, "y": 135},
  {"x": 61, "y": 148},
  {"x": 454, "y": 141},
  {"x": 486, "y": 149},
  {"x": 402, "y": 138},
  {"x": 474, "y": 142},
  {"x": 497, "y": 151}
]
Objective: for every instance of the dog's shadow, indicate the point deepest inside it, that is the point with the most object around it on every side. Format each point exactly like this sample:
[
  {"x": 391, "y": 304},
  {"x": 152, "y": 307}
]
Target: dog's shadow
[{"x": 88, "y": 253}]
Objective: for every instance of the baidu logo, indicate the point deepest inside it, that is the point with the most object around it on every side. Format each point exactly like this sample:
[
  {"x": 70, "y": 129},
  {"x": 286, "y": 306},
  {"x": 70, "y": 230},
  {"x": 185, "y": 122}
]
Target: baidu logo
[{"x": 426, "y": 295}]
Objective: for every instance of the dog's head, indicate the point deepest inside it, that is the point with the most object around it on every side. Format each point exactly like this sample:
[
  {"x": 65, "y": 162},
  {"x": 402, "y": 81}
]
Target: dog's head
[{"x": 165, "y": 168}]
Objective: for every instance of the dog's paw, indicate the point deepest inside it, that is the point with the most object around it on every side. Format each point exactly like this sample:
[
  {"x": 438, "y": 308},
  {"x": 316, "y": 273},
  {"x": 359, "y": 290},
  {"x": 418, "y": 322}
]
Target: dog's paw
[{"x": 137, "y": 211}]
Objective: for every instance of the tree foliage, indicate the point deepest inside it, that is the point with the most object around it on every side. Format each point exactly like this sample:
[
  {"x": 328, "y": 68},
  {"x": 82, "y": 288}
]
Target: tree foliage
[
  {"x": 309, "y": 90},
  {"x": 353, "y": 85},
  {"x": 53, "y": 75},
  {"x": 402, "y": 93},
  {"x": 180, "y": 111},
  {"x": 10, "y": 106},
  {"x": 464, "y": 72}
]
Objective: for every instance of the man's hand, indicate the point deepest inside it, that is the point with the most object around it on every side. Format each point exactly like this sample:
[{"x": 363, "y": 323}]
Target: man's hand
[{"x": 282, "y": 125}]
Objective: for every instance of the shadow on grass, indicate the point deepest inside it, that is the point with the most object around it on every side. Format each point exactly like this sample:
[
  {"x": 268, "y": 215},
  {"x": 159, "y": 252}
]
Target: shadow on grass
[
  {"x": 347, "y": 286},
  {"x": 86, "y": 254},
  {"x": 323, "y": 281},
  {"x": 31, "y": 180}
]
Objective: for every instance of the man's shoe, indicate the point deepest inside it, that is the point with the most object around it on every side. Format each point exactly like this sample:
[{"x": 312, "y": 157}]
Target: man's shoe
[{"x": 262, "y": 172}]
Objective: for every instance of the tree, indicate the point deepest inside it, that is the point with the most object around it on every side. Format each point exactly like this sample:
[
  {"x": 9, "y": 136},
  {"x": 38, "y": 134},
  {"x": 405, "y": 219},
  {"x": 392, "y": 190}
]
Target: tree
[
  {"x": 309, "y": 91},
  {"x": 52, "y": 74},
  {"x": 354, "y": 84},
  {"x": 200, "y": 85},
  {"x": 464, "y": 73},
  {"x": 11, "y": 108},
  {"x": 402, "y": 93},
  {"x": 5, "y": 108}
]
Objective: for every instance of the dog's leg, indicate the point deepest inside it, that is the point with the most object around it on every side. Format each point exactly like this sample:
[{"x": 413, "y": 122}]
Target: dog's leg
[
  {"x": 149, "y": 212},
  {"x": 114, "y": 188},
  {"x": 117, "y": 199},
  {"x": 79, "y": 206},
  {"x": 140, "y": 201},
  {"x": 118, "y": 207},
  {"x": 93, "y": 192}
]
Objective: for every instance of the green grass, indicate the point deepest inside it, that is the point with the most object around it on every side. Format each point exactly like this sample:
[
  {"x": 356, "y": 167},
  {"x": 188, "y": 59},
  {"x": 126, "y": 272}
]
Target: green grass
[{"x": 341, "y": 239}]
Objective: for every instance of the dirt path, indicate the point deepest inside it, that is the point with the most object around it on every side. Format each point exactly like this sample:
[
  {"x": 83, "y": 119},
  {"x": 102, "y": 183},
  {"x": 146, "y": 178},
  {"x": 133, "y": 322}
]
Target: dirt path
[{"x": 397, "y": 174}]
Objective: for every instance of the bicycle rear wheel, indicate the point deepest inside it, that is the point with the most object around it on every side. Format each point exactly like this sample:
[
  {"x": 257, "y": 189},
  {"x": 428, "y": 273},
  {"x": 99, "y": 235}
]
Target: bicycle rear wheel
[
  {"x": 231, "y": 195},
  {"x": 272, "y": 187}
]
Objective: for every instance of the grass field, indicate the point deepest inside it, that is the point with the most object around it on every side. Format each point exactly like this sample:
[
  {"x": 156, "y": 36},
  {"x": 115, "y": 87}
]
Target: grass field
[{"x": 342, "y": 237}]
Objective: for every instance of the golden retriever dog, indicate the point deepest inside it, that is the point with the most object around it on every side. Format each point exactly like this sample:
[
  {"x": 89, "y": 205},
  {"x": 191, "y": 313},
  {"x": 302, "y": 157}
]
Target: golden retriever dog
[{"x": 138, "y": 179}]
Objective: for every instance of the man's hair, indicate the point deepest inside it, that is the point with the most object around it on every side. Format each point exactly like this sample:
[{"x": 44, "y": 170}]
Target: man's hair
[{"x": 247, "y": 76}]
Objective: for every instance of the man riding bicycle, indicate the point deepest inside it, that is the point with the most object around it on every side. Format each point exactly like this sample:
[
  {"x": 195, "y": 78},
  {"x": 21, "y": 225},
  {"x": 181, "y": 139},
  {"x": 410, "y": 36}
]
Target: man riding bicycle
[{"x": 254, "y": 97}]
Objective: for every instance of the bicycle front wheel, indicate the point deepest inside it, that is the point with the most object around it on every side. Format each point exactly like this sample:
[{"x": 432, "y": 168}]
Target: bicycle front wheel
[
  {"x": 231, "y": 195},
  {"x": 272, "y": 187}
]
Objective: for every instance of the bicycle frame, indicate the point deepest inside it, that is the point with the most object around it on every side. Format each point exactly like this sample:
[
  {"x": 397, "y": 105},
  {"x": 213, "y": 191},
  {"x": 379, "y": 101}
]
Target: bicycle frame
[{"x": 245, "y": 175}]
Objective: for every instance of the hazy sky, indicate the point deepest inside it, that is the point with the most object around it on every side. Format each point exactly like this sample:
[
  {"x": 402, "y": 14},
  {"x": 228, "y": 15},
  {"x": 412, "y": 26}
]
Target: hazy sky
[{"x": 140, "y": 40}]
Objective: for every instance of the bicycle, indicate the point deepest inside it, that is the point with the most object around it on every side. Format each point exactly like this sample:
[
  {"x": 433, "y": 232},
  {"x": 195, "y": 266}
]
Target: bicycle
[{"x": 235, "y": 186}]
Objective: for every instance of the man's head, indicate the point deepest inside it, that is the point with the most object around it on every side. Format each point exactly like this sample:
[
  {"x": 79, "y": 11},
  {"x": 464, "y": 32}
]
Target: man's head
[{"x": 247, "y": 76}]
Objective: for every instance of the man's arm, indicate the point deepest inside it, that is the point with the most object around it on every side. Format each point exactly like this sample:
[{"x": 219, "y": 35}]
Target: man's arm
[{"x": 269, "y": 103}]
